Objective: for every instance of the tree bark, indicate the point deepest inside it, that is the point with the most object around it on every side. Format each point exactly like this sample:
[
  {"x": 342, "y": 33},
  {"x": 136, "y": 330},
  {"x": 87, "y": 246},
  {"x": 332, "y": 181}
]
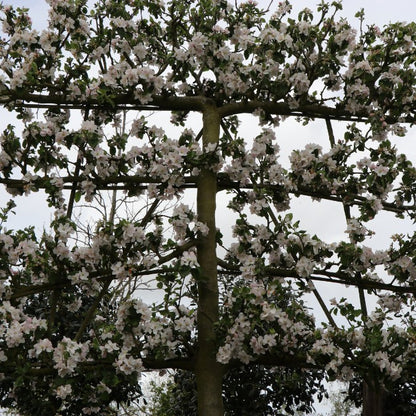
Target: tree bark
[
  {"x": 373, "y": 400},
  {"x": 208, "y": 371}
]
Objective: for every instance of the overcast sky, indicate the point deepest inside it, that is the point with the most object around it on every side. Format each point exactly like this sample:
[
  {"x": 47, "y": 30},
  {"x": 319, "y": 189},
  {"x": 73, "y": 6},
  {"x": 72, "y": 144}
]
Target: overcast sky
[{"x": 379, "y": 12}]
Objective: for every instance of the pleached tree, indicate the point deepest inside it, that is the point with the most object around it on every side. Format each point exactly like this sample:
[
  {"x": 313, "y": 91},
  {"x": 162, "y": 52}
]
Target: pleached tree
[{"x": 126, "y": 116}]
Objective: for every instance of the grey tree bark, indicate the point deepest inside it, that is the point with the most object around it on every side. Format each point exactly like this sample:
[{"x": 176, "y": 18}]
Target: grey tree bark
[
  {"x": 209, "y": 372},
  {"x": 374, "y": 400}
]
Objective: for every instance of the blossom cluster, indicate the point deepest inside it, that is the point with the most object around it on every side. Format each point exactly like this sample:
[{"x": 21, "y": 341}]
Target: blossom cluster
[{"x": 281, "y": 324}]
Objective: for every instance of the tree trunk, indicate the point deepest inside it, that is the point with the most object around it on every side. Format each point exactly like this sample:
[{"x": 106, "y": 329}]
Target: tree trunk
[
  {"x": 373, "y": 400},
  {"x": 208, "y": 371}
]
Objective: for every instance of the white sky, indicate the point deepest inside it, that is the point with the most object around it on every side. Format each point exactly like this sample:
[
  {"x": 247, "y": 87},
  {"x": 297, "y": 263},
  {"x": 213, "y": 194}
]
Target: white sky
[{"x": 378, "y": 12}]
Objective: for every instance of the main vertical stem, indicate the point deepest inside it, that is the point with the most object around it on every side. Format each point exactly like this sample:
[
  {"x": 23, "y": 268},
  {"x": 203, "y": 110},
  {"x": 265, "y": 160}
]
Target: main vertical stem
[
  {"x": 208, "y": 371},
  {"x": 373, "y": 400}
]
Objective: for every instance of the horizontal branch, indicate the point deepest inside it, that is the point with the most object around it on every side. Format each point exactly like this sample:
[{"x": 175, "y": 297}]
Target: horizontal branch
[
  {"x": 286, "y": 360},
  {"x": 282, "y": 108},
  {"x": 322, "y": 276},
  {"x": 176, "y": 363},
  {"x": 137, "y": 182},
  {"x": 125, "y": 101},
  {"x": 225, "y": 184},
  {"x": 148, "y": 363},
  {"x": 21, "y": 99},
  {"x": 103, "y": 275},
  {"x": 42, "y": 183},
  {"x": 358, "y": 200}
]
